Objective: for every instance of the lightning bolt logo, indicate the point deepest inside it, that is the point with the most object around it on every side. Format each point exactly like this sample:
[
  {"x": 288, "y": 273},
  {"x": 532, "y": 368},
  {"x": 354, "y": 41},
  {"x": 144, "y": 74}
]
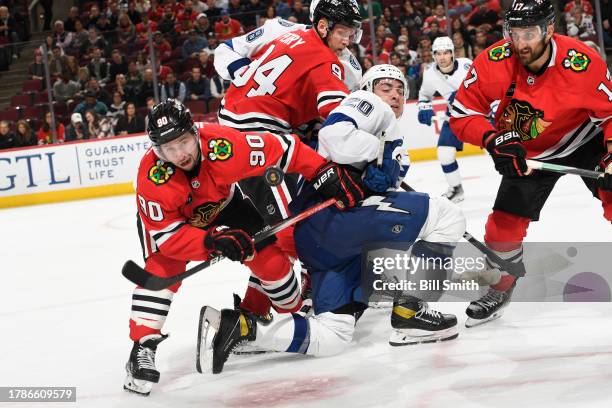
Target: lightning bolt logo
[{"x": 382, "y": 205}]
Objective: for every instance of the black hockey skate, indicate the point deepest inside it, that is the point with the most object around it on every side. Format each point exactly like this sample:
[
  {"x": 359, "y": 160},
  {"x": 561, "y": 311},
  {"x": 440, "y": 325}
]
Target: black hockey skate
[
  {"x": 235, "y": 328},
  {"x": 414, "y": 322},
  {"x": 455, "y": 194},
  {"x": 141, "y": 371},
  {"x": 247, "y": 348},
  {"x": 489, "y": 307}
]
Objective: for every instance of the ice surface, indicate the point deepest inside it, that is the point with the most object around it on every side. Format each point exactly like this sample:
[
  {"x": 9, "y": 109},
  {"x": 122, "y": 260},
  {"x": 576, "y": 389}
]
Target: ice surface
[{"x": 65, "y": 310}]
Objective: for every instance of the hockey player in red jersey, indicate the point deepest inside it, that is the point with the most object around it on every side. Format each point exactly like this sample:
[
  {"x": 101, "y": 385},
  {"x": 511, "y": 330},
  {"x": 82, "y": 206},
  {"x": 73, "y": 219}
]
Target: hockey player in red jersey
[
  {"x": 556, "y": 106},
  {"x": 296, "y": 78},
  {"x": 190, "y": 208}
]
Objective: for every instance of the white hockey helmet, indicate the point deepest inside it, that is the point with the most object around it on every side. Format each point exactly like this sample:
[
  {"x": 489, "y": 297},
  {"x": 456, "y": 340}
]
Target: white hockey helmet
[
  {"x": 382, "y": 71},
  {"x": 443, "y": 44}
]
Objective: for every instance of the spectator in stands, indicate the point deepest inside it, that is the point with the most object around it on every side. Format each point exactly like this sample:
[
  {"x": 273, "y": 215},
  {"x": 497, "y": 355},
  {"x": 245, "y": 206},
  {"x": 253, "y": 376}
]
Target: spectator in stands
[
  {"x": 163, "y": 50},
  {"x": 480, "y": 39},
  {"x": 45, "y": 134},
  {"x": 81, "y": 37},
  {"x": 73, "y": 68},
  {"x": 58, "y": 62},
  {"x": 113, "y": 12},
  {"x": 433, "y": 31},
  {"x": 129, "y": 123},
  {"x": 193, "y": 45},
  {"x": 606, "y": 26},
  {"x": 101, "y": 94},
  {"x": 205, "y": 64},
  {"x": 252, "y": 11},
  {"x": 36, "y": 70},
  {"x": 458, "y": 26},
  {"x": 94, "y": 15},
  {"x": 64, "y": 89},
  {"x": 8, "y": 29},
  {"x": 133, "y": 14},
  {"x": 376, "y": 10},
  {"x": 62, "y": 37},
  {"x": 91, "y": 102},
  {"x": 76, "y": 130},
  {"x": 199, "y": 6},
  {"x": 156, "y": 10},
  {"x": 95, "y": 40},
  {"x": 73, "y": 17},
  {"x": 227, "y": 27},
  {"x": 99, "y": 127},
  {"x": 403, "y": 48},
  {"x": 269, "y": 14},
  {"x": 84, "y": 78},
  {"x": 150, "y": 105},
  {"x": 482, "y": 15},
  {"x": 282, "y": 9},
  {"x": 128, "y": 93},
  {"x": 146, "y": 90},
  {"x": 126, "y": 33},
  {"x": 581, "y": 25},
  {"x": 202, "y": 25},
  {"x": 390, "y": 20},
  {"x": 218, "y": 86},
  {"x": 439, "y": 16},
  {"x": 213, "y": 42},
  {"x": 477, "y": 49},
  {"x": 107, "y": 28},
  {"x": 173, "y": 88},
  {"x": 118, "y": 65},
  {"x": 462, "y": 48},
  {"x": 198, "y": 87},
  {"x": 424, "y": 43},
  {"x": 47, "y": 6},
  {"x": 133, "y": 77},
  {"x": 116, "y": 109},
  {"x": 213, "y": 9},
  {"x": 98, "y": 67},
  {"x": 367, "y": 63},
  {"x": 7, "y": 138},
  {"x": 146, "y": 24},
  {"x": 187, "y": 14},
  {"x": 167, "y": 23},
  {"x": 234, "y": 8},
  {"x": 410, "y": 18},
  {"x": 24, "y": 135},
  {"x": 583, "y": 5}
]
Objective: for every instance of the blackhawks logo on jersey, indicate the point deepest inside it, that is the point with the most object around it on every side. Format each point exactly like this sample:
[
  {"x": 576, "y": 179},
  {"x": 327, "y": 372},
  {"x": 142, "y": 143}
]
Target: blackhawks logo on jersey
[
  {"x": 524, "y": 119},
  {"x": 220, "y": 149},
  {"x": 576, "y": 61},
  {"x": 204, "y": 214},
  {"x": 500, "y": 52},
  {"x": 160, "y": 172}
]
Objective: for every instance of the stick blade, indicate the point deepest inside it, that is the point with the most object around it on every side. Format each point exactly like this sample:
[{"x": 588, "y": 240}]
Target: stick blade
[{"x": 141, "y": 277}]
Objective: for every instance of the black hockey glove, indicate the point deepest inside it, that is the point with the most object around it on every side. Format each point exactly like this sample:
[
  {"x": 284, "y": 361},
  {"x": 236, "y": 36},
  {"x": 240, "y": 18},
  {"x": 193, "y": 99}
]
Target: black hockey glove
[
  {"x": 341, "y": 183},
  {"x": 234, "y": 244},
  {"x": 605, "y": 165},
  {"x": 507, "y": 152}
]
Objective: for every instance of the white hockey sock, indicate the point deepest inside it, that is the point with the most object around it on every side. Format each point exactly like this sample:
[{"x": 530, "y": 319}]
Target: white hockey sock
[
  {"x": 284, "y": 293},
  {"x": 150, "y": 308},
  {"x": 323, "y": 335},
  {"x": 447, "y": 156}
]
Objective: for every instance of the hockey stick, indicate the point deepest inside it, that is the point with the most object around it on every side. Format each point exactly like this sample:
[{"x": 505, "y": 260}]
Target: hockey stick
[
  {"x": 557, "y": 168},
  {"x": 147, "y": 280}
]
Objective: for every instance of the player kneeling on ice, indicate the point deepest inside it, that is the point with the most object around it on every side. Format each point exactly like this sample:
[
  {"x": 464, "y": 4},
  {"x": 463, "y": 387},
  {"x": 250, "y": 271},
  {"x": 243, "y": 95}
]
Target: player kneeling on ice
[
  {"x": 189, "y": 208},
  {"x": 331, "y": 242}
]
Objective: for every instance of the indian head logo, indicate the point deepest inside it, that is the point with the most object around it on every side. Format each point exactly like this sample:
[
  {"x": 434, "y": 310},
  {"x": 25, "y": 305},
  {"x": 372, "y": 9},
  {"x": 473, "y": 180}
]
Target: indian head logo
[
  {"x": 524, "y": 119},
  {"x": 204, "y": 214}
]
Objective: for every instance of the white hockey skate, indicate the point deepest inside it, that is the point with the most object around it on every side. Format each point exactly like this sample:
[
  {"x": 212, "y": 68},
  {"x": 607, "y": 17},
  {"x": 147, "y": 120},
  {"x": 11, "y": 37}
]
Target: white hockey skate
[{"x": 455, "y": 194}]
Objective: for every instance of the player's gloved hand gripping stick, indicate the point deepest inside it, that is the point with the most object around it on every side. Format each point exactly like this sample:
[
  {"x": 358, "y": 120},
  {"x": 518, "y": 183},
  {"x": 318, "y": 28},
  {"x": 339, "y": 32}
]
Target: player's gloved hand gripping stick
[{"x": 147, "y": 280}]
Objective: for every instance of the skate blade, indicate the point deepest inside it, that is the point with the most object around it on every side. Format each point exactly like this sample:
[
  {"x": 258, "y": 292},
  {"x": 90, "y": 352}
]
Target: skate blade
[
  {"x": 381, "y": 305},
  {"x": 405, "y": 337},
  {"x": 249, "y": 350},
  {"x": 139, "y": 387},
  {"x": 207, "y": 328},
  {"x": 470, "y": 322}
]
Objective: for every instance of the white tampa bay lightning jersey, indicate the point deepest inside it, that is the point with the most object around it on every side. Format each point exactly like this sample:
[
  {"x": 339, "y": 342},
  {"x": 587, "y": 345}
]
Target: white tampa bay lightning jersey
[
  {"x": 352, "y": 132},
  {"x": 233, "y": 54},
  {"x": 445, "y": 85}
]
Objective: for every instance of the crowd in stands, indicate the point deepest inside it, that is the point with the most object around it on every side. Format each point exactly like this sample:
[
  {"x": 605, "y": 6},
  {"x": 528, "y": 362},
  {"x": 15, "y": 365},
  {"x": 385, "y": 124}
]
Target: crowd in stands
[{"x": 103, "y": 79}]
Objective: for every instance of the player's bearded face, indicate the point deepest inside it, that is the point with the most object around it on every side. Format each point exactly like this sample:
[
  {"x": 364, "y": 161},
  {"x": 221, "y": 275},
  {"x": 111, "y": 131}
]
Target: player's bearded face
[
  {"x": 391, "y": 91},
  {"x": 529, "y": 43},
  {"x": 183, "y": 152}
]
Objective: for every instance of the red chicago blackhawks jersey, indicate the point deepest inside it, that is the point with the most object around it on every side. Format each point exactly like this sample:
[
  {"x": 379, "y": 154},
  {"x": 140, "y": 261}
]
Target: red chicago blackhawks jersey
[
  {"x": 174, "y": 208},
  {"x": 554, "y": 112},
  {"x": 292, "y": 81}
]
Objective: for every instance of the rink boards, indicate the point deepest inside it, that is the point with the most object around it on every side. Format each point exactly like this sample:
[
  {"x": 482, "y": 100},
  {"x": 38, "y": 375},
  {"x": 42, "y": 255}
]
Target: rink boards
[{"x": 103, "y": 167}]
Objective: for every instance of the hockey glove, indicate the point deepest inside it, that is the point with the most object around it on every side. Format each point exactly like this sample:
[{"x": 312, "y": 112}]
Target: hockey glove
[
  {"x": 605, "y": 182},
  {"x": 379, "y": 180},
  {"x": 425, "y": 114},
  {"x": 234, "y": 244},
  {"x": 507, "y": 152},
  {"x": 335, "y": 181}
]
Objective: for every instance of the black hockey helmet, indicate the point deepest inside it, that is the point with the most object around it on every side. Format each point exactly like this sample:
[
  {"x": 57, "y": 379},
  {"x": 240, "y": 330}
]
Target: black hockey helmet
[
  {"x": 345, "y": 12},
  {"x": 526, "y": 13},
  {"x": 169, "y": 120}
]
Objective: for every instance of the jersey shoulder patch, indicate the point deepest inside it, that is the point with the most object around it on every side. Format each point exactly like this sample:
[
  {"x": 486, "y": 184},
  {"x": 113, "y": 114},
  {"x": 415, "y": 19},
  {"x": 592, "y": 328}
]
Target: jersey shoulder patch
[
  {"x": 160, "y": 173},
  {"x": 255, "y": 34},
  {"x": 285, "y": 23},
  {"x": 500, "y": 53},
  {"x": 220, "y": 149},
  {"x": 576, "y": 61}
]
